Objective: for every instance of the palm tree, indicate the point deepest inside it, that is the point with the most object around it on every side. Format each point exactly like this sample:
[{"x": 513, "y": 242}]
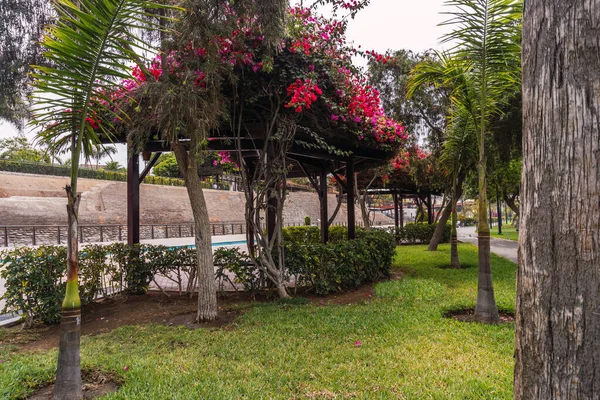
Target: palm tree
[
  {"x": 459, "y": 156},
  {"x": 89, "y": 48},
  {"x": 100, "y": 151},
  {"x": 483, "y": 70}
]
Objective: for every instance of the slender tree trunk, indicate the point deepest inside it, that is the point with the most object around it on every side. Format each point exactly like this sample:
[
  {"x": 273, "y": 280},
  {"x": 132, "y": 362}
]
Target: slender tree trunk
[
  {"x": 558, "y": 283},
  {"x": 510, "y": 202},
  {"x": 456, "y": 193},
  {"x": 438, "y": 233},
  {"x": 68, "y": 372},
  {"x": 207, "y": 288},
  {"x": 439, "y": 229},
  {"x": 442, "y": 207},
  {"x": 337, "y": 207},
  {"x": 486, "y": 310}
]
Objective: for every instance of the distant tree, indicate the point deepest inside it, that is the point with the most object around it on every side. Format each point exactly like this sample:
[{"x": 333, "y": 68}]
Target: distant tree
[
  {"x": 557, "y": 351},
  {"x": 100, "y": 151},
  {"x": 424, "y": 112},
  {"x": 19, "y": 149},
  {"x": 113, "y": 166},
  {"x": 22, "y": 25},
  {"x": 167, "y": 166}
]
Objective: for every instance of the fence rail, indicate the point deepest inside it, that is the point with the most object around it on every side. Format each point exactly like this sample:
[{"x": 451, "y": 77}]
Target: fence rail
[{"x": 34, "y": 235}]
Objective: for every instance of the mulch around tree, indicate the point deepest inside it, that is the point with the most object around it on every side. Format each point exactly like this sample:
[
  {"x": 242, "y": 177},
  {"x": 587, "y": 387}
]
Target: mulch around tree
[
  {"x": 468, "y": 315},
  {"x": 154, "y": 307},
  {"x": 95, "y": 384}
]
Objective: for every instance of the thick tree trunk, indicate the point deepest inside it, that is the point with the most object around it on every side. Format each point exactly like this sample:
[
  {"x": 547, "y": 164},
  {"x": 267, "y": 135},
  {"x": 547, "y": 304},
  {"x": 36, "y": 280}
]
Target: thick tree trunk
[
  {"x": 207, "y": 287},
  {"x": 68, "y": 384},
  {"x": 558, "y": 284}
]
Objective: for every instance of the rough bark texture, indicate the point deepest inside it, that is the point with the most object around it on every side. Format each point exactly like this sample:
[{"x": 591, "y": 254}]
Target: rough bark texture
[
  {"x": 207, "y": 288},
  {"x": 558, "y": 283},
  {"x": 68, "y": 384}
]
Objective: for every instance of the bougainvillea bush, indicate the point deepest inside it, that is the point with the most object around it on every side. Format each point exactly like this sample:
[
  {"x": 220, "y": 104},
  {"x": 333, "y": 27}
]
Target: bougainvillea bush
[{"x": 232, "y": 74}]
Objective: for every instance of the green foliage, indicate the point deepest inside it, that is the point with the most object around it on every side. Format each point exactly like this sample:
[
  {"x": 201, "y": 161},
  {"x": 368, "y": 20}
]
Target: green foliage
[
  {"x": 113, "y": 166},
  {"x": 34, "y": 283},
  {"x": 307, "y": 220},
  {"x": 167, "y": 166},
  {"x": 239, "y": 263},
  {"x": 301, "y": 234},
  {"x": 19, "y": 149},
  {"x": 420, "y": 233},
  {"x": 35, "y": 277},
  {"x": 338, "y": 264}
]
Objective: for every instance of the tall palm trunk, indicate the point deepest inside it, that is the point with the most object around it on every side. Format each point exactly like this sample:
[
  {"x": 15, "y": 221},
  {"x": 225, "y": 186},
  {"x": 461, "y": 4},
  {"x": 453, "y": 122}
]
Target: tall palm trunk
[
  {"x": 68, "y": 372},
  {"x": 207, "y": 287},
  {"x": 485, "y": 310}
]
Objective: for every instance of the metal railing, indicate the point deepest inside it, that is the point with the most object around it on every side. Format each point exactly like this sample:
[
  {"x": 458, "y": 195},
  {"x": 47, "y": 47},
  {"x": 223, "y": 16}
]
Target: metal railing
[{"x": 34, "y": 235}]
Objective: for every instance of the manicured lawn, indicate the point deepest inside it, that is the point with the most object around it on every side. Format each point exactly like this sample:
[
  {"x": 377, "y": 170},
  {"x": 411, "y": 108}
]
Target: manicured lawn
[
  {"x": 508, "y": 232},
  {"x": 297, "y": 349}
]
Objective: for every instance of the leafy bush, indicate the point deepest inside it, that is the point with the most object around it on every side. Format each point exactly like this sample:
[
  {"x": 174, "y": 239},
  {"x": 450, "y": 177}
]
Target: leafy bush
[
  {"x": 420, "y": 233},
  {"x": 341, "y": 263},
  {"x": 307, "y": 220},
  {"x": 301, "y": 234},
  {"x": 242, "y": 267}
]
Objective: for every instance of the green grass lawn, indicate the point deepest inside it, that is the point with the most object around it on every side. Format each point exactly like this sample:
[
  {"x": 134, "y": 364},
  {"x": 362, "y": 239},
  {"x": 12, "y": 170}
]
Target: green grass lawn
[
  {"x": 508, "y": 232},
  {"x": 299, "y": 350}
]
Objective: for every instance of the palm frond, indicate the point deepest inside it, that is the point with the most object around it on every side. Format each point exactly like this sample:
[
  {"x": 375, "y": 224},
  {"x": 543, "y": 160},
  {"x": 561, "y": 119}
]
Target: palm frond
[{"x": 91, "y": 47}]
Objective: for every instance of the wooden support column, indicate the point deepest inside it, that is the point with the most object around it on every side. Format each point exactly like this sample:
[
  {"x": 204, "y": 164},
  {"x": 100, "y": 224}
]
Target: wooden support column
[
  {"x": 323, "y": 203},
  {"x": 402, "y": 211},
  {"x": 396, "y": 220},
  {"x": 133, "y": 198},
  {"x": 350, "y": 196}
]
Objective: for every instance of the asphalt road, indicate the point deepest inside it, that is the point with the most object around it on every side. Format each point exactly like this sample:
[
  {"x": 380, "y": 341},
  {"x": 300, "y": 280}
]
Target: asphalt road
[{"x": 502, "y": 247}]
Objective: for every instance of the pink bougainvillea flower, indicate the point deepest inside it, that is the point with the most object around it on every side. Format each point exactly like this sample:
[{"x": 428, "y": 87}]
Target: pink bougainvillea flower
[
  {"x": 357, "y": 344},
  {"x": 126, "y": 368}
]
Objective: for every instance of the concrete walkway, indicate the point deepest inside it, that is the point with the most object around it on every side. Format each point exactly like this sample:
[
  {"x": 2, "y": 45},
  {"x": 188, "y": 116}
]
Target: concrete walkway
[{"x": 502, "y": 247}]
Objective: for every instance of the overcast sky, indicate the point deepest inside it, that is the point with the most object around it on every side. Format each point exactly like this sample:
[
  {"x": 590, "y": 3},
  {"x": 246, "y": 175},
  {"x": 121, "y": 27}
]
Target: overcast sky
[{"x": 383, "y": 25}]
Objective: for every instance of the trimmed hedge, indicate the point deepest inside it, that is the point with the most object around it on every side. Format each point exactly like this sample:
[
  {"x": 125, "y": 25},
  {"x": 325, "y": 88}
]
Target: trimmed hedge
[
  {"x": 56, "y": 170},
  {"x": 420, "y": 233},
  {"x": 339, "y": 264}
]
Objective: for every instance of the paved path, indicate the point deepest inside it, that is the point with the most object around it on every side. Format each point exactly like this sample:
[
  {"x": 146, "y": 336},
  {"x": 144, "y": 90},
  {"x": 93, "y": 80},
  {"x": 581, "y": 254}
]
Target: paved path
[{"x": 502, "y": 247}]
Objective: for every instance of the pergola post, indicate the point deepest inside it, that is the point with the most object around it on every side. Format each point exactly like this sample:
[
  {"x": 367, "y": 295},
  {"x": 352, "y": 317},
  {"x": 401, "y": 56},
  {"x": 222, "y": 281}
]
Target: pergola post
[
  {"x": 396, "y": 220},
  {"x": 350, "y": 196},
  {"x": 133, "y": 198},
  {"x": 323, "y": 204}
]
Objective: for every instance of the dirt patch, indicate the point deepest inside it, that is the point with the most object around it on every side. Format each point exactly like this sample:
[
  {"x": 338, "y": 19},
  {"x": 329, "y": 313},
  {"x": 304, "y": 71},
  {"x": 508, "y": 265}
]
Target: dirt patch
[
  {"x": 95, "y": 384},
  {"x": 353, "y": 296},
  {"x": 462, "y": 266},
  {"x": 468, "y": 315},
  {"x": 154, "y": 307},
  {"x": 107, "y": 315}
]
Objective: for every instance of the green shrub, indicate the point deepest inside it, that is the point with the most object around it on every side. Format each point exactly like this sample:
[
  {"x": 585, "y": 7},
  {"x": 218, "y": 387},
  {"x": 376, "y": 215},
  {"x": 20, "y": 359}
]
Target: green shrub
[
  {"x": 307, "y": 220},
  {"x": 301, "y": 234},
  {"x": 238, "y": 263},
  {"x": 35, "y": 277},
  {"x": 420, "y": 233},
  {"x": 341, "y": 263}
]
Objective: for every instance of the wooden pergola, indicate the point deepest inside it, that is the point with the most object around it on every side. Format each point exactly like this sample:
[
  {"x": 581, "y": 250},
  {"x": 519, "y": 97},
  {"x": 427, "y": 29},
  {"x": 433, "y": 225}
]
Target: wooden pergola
[{"x": 314, "y": 164}]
